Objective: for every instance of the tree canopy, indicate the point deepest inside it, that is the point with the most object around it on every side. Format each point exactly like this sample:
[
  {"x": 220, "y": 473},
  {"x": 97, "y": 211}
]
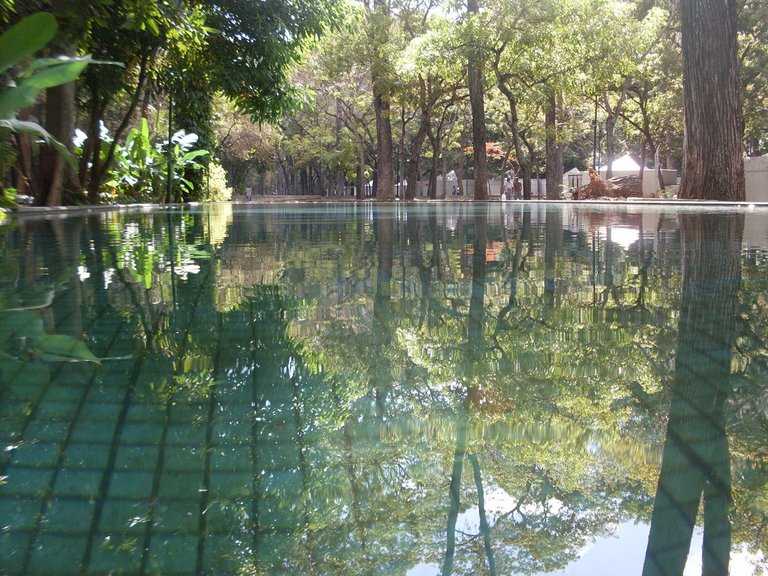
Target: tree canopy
[{"x": 354, "y": 92}]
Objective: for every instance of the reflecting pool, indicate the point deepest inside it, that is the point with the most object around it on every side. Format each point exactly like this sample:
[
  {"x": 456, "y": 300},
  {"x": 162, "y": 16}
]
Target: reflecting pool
[{"x": 348, "y": 389}]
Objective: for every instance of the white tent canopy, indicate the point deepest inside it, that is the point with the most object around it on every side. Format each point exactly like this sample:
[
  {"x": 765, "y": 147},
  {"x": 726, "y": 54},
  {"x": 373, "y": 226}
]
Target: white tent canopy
[{"x": 623, "y": 164}]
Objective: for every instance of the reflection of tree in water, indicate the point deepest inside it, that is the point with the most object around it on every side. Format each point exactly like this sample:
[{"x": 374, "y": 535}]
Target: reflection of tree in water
[
  {"x": 357, "y": 429},
  {"x": 696, "y": 459}
]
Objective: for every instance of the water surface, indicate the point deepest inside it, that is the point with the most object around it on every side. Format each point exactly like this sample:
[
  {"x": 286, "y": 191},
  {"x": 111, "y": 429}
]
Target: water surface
[{"x": 354, "y": 389}]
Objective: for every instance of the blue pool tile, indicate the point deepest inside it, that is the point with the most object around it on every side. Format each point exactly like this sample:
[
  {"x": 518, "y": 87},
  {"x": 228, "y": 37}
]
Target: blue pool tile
[
  {"x": 124, "y": 517},
  {"x": 68, "y": 516},
  {"x": 25, "y": 391},
  {"x": 13, "y": 550},
  {"x": 43, "y": 430},
  {"x": 226, "y": 458},
  {"x": 63, "y": 393},
  {"x": 90, "y": 430},
  {"x": 141, "y": 433},
  {"x": 184, "y": 458},
  {"x": 230, "y": 516},
  {"x": 14, "y": 408},
  {"x": 281, "y": 515},
  {"x": 232, "y": 432},
  {"x": 172, "y": 554},
  {"x": 176, "y": 516},
  {"x": 136, "y": 458},
  {"x": 11, "y": 428},
  {"x": 57, "y": 554},
  {"x": 227, "y": 554},
  {"x": 36, "y": 454},
  {"x": 100, "y": 410},
  {"x": 186, "y": 434},
  {"x": 276, "y": 456},
  {"x": 86, "y": 455},
  {"x": 116, "y": 554},
  {"x": 18, "y": 513},
  {"x": 230, "y": 485},
  {"x": 146, "y": 412},
  {"x": 181, "y": 485},
  {"x": 110, "y": 392},
  {"x": 188, "y": 413},
  {"x": 130, "y": 484},
  {"x": 22, "y": 481},
  {"x": 59, "y": 410},
  {"x": 81, "y": 483}
]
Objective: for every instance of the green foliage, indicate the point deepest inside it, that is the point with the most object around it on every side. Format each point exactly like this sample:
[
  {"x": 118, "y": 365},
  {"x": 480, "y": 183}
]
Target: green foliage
[
  {"x": 140, "y": 170},
  {"x": 17, "y": 44},
  {"x": 256, "y": 44},
  {"x": 216, "y": 185},
  {"x": 24, "y": 342},
  {"x": 8, "y": 198}
]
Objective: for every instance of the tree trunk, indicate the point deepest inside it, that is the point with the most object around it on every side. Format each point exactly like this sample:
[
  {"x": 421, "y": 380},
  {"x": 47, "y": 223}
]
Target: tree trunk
[
  {"x": 713, "y": 162},
  {"x": 476, "y": 97},
  {"x": 385, "y": 180},
  {"x": 522, "y": 162},
  {"x": 462, "y": 161},
  {"x": 361, "y": 169},
  {"x": 610, "y": 128},
  {"x": 554, "y": 148},
  {"x": 55, "y": 172},
  {"x": 413, "y": 161},
  {"x": 340, "y": 178},
  {"x": 610, "y": 125}
]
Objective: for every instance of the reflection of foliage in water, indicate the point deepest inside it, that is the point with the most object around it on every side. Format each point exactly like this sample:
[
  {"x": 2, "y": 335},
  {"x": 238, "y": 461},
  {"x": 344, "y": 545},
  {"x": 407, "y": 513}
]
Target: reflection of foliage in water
[{"x": 567, "y": 447}]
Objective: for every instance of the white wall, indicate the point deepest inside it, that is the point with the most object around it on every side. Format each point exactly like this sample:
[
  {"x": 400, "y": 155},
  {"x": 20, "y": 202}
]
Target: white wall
[{"x": 756, "y": 176}]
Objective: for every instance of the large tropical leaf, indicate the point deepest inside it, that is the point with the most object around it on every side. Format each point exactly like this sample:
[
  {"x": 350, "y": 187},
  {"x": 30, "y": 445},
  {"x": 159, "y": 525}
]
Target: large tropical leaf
[
  {"x": 58, "y": 71},
  {"x": 60, "y": 347},
  {"x": 34, "y": 129},
  {"x": 25, "y": 38},
  {"x": 55, "y": 72}
]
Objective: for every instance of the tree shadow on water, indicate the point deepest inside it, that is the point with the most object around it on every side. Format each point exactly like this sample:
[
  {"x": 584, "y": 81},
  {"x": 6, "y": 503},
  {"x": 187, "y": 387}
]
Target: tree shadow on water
[{"x": 696, "y": 459}]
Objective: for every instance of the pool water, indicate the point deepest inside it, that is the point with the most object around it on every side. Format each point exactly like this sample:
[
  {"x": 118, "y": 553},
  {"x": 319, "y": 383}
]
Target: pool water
[{"x": 499, "y": 388}]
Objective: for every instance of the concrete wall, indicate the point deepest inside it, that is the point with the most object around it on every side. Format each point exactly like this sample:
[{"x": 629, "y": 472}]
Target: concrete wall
[
  {"x": 494, "y": 187},
  {"x": 756, "y": 176}
]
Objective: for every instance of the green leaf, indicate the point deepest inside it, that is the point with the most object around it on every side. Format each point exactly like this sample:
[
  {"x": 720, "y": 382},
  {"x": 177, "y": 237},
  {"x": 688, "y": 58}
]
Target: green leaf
[
  {"x": 34, "y": 129},
  {"x": 25, "y": 38},
  {"x": 189, "y": 156},
  {"x": 8, "y": 198},
  {"x": 16, "y": 324},
  {"x": 15, "y": 98},
  {"x": 60, "y": 347},
  {"x": 64, "y": 71}
]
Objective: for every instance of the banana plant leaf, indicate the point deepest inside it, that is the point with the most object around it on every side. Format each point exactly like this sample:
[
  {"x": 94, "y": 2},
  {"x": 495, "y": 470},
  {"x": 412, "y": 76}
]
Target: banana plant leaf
[{"x": 62, "y": 348}]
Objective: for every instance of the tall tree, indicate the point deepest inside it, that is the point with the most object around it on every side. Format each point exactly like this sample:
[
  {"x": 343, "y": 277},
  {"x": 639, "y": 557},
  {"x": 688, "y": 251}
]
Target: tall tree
[
  {"x": 475, "y": 75},
  {"x": 380, "y": 23},
  {"x": 713, "y": 163}
]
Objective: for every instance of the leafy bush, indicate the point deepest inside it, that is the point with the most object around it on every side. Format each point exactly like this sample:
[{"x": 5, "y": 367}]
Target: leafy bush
[
  {"x": 139, "y": 172},
  {"x": 217, "y": 184}
]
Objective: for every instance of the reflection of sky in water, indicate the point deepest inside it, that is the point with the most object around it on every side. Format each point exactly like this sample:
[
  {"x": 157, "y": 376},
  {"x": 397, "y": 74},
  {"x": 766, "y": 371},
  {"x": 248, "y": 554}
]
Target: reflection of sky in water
[
  {"x": 622, "y": 554},
  {"x": 622, "y": 235}
]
